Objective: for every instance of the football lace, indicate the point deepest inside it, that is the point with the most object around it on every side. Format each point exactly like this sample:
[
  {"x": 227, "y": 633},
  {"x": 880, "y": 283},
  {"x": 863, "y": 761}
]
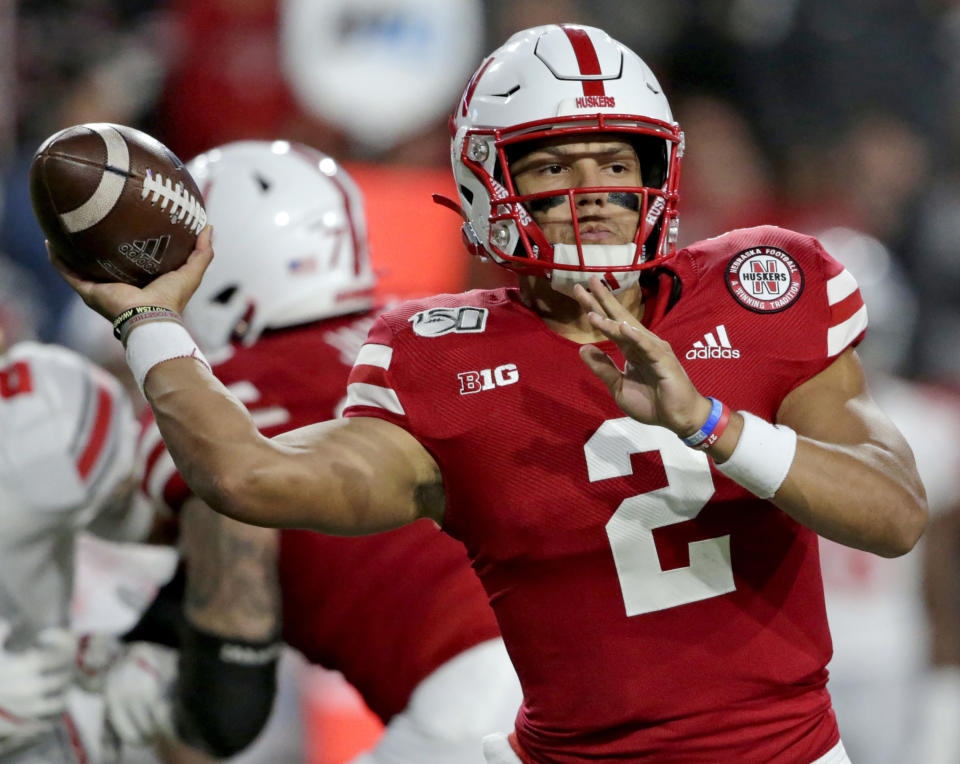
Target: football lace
[{"x": 184, "y": 207}]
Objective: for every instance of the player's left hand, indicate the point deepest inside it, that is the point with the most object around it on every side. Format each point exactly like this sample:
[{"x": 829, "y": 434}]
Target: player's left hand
[
  {"x": 34, "y": 681},
  {"x": 653, "y": 388},
  {"x": 138, "y": 694},
  {"x": 171, "y": 290}
]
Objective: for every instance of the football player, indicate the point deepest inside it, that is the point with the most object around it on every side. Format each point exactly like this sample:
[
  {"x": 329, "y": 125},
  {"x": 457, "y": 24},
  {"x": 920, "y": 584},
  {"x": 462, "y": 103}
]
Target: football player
[
  {"x": 651, "y": 552},
  {"x": 67, "y": 435},
  {"x": 401, "y": 615}
]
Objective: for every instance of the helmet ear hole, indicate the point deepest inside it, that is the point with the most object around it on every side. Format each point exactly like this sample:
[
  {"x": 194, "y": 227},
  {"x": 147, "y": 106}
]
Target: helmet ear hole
[{"x": 225, "y": 295}]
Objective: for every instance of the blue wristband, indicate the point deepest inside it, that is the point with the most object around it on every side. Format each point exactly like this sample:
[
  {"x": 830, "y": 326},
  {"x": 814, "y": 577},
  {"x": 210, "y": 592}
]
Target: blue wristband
[{"x": 704, "y": 432}]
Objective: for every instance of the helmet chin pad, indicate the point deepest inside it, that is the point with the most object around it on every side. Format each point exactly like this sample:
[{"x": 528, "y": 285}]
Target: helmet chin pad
[{"x": 615, "y": 256}]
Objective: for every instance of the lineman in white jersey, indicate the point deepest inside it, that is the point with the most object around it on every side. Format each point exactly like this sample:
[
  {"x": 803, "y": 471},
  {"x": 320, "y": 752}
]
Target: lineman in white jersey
[
  {"x": 67, "y": 435},
  {"x": 881, "y": 670}
]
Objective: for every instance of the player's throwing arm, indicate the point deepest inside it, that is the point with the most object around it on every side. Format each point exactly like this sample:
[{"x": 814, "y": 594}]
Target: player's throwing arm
[
  {"x": 342, "y": 477},
  {"x": 833, "y": 461}
]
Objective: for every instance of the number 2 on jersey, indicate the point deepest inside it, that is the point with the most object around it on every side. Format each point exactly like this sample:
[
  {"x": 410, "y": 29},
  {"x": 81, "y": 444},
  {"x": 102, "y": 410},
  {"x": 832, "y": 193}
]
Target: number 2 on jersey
[{"x": 646, "y": 586}]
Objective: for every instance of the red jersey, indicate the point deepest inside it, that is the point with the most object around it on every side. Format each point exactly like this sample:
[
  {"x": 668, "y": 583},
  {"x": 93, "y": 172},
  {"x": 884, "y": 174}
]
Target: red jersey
[
  {"x": 652, "y": 607},
  {"x": 385, "y": 610}
]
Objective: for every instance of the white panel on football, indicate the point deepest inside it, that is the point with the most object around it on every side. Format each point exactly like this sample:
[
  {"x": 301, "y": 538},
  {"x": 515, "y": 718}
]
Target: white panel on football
[{"x": 98, "y": 206}]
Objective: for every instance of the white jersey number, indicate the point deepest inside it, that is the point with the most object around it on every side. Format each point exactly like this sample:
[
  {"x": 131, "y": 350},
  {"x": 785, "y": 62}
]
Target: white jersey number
[{"x": 646, "y": 586}]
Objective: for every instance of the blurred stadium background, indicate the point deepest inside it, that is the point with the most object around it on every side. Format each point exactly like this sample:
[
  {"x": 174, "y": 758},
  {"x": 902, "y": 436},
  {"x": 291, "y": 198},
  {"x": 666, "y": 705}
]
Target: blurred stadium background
[{"x": 811, "y": 114}]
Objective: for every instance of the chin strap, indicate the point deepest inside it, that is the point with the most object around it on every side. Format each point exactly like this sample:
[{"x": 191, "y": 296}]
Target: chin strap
[
  {"x": 450, "y": 204},
  {"x": 466, "y": 230}
]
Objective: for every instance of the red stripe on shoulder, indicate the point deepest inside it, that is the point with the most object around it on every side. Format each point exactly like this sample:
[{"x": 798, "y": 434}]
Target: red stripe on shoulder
[
  {"x": 845, "y": 308},
  {"x": 98, "y": 433},
  {"x": 149, "y": 465},
  {"x": 370, "y": 375}
]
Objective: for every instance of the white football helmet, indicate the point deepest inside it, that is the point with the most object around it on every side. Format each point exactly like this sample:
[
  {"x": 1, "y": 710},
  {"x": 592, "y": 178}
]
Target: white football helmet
[
  {"x": 290, "y": 239},
  {"x": 555, "y": 80}
]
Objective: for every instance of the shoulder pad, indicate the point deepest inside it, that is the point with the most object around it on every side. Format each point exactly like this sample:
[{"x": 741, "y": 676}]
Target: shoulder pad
[{"x": 68, "y": 426}]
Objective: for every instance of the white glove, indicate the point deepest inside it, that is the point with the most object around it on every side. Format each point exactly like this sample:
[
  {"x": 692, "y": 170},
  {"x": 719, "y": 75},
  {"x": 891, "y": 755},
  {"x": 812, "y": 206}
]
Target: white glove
[
  {"x": 96, "y": 654},
  {"x": 139, "y": 694},
  {"x": 34, "y": 681}
]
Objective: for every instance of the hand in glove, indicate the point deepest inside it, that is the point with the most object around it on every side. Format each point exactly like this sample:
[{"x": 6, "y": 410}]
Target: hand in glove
[
  {"x": 139, "y": 694},
  {"x": 34, "y": 681}
]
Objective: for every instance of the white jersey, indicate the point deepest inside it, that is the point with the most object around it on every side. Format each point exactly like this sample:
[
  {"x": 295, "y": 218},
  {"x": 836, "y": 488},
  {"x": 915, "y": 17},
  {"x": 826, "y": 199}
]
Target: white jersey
[
  {"x": 875, "y": 605},
  {"x": 67, "y": 434}
]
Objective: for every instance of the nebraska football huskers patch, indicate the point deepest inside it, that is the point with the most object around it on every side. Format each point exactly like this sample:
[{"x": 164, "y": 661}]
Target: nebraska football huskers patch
[{"x": 764, "y": 279}]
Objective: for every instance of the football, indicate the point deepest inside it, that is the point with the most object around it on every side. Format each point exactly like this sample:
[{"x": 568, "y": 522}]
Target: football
[{"x": 116, "y": 203}]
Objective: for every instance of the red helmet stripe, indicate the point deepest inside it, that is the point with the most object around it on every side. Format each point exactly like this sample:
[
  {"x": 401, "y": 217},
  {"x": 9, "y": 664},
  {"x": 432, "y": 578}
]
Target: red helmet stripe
[
  {"x": 472, "y": 85},
  {"x": 314, "y": 157},
  {"x": 587, "y": 59}
]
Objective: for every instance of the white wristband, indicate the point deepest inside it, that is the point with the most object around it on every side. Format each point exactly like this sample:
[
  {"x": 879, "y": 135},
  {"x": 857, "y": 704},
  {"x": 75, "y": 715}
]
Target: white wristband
[
  {"x": 763, "y": 456},
  {"x": 156, "y": 341}
]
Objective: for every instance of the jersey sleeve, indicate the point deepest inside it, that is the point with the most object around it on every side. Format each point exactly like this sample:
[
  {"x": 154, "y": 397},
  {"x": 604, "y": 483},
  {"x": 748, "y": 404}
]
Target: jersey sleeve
[
  {"x": 373, "y": 387},
  {"x": 847, "y": 314},
  {"x": 795, "y": 307},
  {"x": 827, "y": 318},
  {"x": 71, "y": 426}
]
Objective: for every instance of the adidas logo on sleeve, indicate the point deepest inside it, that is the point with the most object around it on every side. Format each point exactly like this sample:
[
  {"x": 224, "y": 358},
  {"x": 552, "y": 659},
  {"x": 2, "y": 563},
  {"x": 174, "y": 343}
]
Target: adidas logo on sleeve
[{"x": 713, "y": 346}]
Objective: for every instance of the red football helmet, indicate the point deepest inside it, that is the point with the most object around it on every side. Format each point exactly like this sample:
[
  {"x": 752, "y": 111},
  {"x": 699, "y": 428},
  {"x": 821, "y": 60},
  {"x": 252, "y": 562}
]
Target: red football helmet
[{"x": 563, "y": 80}]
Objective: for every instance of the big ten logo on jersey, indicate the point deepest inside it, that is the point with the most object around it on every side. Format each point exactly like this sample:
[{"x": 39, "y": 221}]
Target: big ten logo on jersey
[
  {"x": 488, "y": 379},
  {"x": 435, "y": 322}
]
